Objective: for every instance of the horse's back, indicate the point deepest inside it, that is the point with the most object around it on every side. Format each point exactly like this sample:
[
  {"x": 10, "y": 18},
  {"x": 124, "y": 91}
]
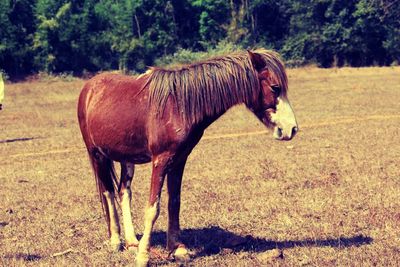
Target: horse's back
[
  {"x": 104, "y": 92},
  {"x": 113, "y": 85},
  {"x": 112, "y": 113}
]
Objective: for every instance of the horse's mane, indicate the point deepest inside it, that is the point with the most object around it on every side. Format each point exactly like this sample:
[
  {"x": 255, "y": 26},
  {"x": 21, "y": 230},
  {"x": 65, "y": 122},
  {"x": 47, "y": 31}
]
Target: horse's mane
[{"x": 212, "y": 86}]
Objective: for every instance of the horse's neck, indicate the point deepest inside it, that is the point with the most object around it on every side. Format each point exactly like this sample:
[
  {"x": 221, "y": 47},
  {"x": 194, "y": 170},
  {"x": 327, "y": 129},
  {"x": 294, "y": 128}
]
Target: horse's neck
[{"x": 208, "y": 120}]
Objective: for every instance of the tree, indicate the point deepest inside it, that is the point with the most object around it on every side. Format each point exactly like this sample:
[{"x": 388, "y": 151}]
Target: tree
[
  {"x": 119, "y": 28},
  {"x": 64, "y": 37},
  {"x": 16, "y": 36},
  {"x": 268, "y": 22},
  {"x": 79, "y": 35},
  {"x": 305, "y": 35},
  {"x": 368, "y": 35},
  {"x": 390, "y": 18},
  {"x": 214, "y": 18},
  {"x": 335, "y": 32}
]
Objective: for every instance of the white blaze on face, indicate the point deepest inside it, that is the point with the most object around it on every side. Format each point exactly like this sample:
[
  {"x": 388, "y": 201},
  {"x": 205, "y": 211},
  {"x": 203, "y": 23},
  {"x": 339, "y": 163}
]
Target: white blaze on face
[{"x": 284, "y": 119}]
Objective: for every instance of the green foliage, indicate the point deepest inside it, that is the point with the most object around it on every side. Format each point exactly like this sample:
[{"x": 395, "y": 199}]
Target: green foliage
[
  {"x": 390, "y": 17},
  {"x": 337, "y": 32},
  {"x": 212, "y": 20},
  {"x": 16, "y": 30},
  {"x": 118, "y": 29},
  {"x": 79, "y": 36},
  {"x": 66, "y": 33},
  {"x": 370, "y": 34}
]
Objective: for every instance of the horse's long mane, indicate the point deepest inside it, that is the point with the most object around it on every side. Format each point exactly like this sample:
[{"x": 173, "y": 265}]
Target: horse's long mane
[{"x": 212, "y": 86}]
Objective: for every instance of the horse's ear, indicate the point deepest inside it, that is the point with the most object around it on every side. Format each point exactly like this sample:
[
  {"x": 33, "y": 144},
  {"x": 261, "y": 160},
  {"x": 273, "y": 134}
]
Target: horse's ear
[{"x": 256, "y": 60}]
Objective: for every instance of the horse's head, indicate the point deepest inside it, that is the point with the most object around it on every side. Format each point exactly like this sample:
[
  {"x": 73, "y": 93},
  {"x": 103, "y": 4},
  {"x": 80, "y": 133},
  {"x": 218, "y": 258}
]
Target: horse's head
[{"x": 272, "y": 106}]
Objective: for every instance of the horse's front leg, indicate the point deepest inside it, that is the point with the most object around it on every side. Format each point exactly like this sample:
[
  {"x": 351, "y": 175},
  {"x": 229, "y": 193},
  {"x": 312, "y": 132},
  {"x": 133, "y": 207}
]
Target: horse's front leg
[
  {"x": 153, "y": 208},
  {"x": 174, "y": 182}
]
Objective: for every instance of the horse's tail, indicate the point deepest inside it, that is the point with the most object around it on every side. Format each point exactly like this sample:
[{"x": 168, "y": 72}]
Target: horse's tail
[{"x": 106, "y": 180}]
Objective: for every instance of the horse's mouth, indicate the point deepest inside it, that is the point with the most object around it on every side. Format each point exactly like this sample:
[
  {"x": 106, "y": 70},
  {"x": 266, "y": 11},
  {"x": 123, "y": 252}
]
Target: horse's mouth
[{"x": 281, "y": 136}]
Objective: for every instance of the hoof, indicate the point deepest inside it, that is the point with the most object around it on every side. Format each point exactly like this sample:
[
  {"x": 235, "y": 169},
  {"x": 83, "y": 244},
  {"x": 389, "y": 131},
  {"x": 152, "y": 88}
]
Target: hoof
[
  {"x": 181, "y": 254},
  {"x": 116, "y": 247},
  {"x": 115, "y": 244},
  {"x": 132, "y": 247},
  {"x": 142, "y": 260}
]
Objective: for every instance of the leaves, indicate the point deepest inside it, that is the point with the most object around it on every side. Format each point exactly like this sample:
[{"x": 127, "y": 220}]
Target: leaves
[{"x": 89, "y": 35}]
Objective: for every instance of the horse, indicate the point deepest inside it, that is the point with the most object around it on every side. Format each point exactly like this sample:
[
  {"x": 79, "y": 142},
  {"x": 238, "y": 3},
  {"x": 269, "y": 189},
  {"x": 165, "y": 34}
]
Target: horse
[{"x": 159, "y": 117}]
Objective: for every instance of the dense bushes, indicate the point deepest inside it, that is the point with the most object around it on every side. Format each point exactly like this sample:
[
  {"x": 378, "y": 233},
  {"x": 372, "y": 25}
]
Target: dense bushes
[{"x": 88, "y": 35}]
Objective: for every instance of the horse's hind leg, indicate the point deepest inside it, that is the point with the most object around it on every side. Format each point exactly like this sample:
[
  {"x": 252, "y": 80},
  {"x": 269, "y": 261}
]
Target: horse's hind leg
[
  {"x": 127, "y": 171},
  {"x": 104, "y": 172}
]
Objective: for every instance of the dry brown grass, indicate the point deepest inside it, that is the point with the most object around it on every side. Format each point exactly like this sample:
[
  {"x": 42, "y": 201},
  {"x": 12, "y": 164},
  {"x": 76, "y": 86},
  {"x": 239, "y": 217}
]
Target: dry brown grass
[{"x": 329, "y": 197}]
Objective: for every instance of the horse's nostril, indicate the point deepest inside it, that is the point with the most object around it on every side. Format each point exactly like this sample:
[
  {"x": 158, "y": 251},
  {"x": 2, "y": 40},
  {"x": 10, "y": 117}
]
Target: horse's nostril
[
  {"x": 294, "y": 130},
  {"x": 279, "y": 132}
]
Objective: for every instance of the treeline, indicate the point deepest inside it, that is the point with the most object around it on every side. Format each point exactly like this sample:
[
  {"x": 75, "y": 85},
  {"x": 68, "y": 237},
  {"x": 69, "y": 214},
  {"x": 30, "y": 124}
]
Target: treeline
[{"x": 90, "y": 35}]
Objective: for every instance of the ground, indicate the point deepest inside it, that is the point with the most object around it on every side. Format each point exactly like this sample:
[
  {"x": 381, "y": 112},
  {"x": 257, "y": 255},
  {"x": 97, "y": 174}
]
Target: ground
[{"x": 329, "y": 197}]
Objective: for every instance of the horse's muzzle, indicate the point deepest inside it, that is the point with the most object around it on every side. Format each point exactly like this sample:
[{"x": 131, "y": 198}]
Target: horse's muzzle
[{"x": 282, "y": 135}]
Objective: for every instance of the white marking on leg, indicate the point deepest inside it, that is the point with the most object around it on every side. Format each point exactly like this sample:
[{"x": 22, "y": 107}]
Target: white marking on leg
[
  {"x": 130, "y": 235},
  {"x": 151, "y": 215},
  {"x": 115, "y": 239},
  {"x": 181, "y": 253}
]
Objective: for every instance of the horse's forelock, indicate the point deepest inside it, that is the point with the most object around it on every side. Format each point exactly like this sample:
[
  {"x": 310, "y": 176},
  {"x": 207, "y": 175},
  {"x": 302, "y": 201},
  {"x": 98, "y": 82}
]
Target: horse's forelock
[{"x": 274, "y": 63}]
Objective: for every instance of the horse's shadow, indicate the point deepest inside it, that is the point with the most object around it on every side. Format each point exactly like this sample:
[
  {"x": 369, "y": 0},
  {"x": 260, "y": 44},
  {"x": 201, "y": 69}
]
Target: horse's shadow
[{"x": 213, "y": 240}]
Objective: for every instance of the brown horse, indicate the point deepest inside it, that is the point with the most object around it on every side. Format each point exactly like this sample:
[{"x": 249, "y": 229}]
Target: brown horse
[{"x": 160, "y": 116}]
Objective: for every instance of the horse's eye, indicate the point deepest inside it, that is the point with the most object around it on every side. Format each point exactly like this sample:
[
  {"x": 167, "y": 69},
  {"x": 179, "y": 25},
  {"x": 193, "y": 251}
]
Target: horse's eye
[{"x": 276, "y": 89}]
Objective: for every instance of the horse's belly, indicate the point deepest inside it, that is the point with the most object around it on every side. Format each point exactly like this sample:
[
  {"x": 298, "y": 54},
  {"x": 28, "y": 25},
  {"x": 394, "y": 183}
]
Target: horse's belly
[
  {"x": 122, "y": 144},
  {"x": 120, "y": 137},
  {"x": 123, "y": 156}
]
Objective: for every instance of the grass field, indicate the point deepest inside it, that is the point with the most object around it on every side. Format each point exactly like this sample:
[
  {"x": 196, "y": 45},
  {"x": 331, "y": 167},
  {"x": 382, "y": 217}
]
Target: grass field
[{"x": 329, "y": 197}]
